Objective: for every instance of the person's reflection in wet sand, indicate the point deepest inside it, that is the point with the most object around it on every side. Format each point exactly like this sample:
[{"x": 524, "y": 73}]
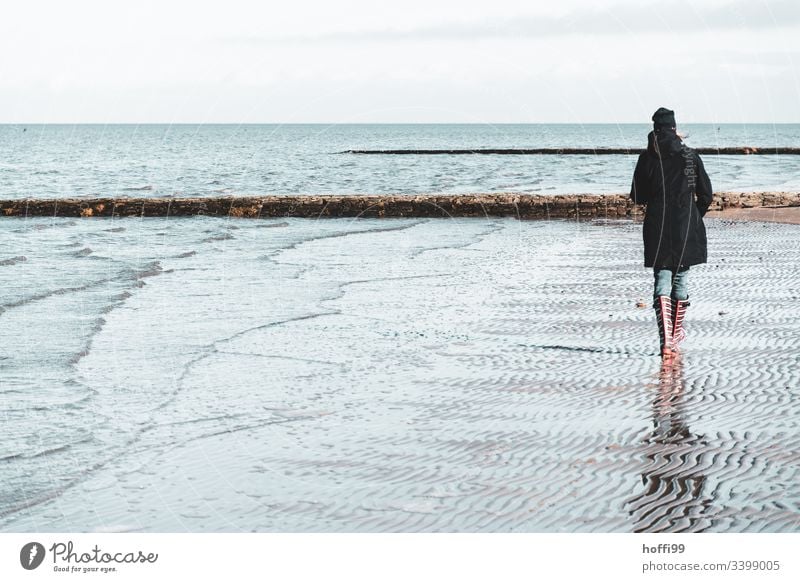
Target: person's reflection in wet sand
[{"x": 673, "y": 479}]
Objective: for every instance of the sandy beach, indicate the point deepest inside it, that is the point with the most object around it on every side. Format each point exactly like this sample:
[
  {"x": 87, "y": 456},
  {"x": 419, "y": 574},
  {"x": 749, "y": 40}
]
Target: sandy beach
[{"x": 375, "y": 375}]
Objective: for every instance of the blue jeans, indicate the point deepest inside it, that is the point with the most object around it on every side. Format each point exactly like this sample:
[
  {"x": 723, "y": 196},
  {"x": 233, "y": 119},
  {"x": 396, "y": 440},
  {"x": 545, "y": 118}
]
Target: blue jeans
[{"x": 670, "y": 283}]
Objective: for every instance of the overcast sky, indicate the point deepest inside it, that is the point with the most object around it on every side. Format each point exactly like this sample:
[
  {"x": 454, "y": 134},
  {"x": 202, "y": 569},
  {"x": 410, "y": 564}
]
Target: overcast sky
[{"x": 349, "y": 61}]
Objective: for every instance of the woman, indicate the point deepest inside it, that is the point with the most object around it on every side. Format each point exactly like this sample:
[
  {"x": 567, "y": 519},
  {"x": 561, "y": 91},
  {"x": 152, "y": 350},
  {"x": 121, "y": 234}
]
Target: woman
[{"x": 671, "y": 181}]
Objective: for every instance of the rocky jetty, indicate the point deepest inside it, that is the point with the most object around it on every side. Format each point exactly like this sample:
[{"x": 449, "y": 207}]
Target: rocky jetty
[
  {"x": 723, "y": 151},
  {"x": 524, "y": 206}
]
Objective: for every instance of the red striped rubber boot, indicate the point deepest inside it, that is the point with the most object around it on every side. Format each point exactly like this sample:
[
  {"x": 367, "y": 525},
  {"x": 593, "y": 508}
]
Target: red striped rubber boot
[
  {"x": 678, "y": 313},
  {"x": 663, "y": 307}
]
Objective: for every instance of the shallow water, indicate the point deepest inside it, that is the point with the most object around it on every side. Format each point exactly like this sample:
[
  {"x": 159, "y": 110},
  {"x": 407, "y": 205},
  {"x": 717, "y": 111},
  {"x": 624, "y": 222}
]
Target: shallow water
[
  {"x": 57, "y": 161},
  {"x": 209, "y": 374}
]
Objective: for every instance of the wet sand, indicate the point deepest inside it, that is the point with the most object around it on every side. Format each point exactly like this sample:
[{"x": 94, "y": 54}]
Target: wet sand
[
  {"x": 383, "y": 375},
  {"x": 784, "y": 214}
]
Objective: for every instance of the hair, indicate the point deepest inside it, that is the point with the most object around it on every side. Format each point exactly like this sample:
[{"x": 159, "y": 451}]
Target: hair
[{"x": 681, "y": 135}]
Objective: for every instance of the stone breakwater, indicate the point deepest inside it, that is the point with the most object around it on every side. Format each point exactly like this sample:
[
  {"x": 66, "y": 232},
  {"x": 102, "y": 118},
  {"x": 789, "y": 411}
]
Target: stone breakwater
[
  {"x": 525, "y": 206},
  {"x": 727, "y": 151}
]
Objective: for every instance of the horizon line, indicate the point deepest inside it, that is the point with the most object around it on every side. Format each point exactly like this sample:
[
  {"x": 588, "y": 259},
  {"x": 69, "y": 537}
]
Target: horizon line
[{"x": 242, "y": 123}]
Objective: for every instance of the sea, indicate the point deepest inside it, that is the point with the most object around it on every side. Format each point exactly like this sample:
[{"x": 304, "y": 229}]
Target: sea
[{"x": 54, "y": 161}]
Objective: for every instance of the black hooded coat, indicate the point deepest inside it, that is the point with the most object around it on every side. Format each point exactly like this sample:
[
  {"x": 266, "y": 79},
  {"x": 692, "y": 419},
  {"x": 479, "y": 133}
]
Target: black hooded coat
[{"x": 671, "y": 181}]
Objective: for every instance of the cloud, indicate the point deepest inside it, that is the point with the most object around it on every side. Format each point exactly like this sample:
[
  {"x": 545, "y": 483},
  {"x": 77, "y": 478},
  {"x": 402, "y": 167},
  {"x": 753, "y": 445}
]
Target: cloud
[{"x": 674, "y": 17}]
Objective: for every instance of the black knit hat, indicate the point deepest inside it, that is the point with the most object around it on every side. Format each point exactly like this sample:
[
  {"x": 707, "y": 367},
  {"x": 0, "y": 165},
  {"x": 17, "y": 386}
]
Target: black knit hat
[{"x": 663, "y": 118}]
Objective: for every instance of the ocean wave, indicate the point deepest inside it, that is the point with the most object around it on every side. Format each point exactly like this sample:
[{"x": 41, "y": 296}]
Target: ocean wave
[
  {"x": 13, "y": 261},
  {"x": 139, "y": 188},
  {"x": 39, "y": 226},
  {"x": 55, "y": 292},
  {"x": 219, "y": 237},
  {"x": 152, "y": 269}
]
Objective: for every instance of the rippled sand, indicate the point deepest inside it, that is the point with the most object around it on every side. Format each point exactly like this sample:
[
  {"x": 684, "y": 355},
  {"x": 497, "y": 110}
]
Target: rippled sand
[{"x": 391, "y": 375}]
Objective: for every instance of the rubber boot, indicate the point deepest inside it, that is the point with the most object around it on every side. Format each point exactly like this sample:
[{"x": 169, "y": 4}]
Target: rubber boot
[
  {"x": 678, "y": 313},
  {"x": 663, "y": 307}
]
